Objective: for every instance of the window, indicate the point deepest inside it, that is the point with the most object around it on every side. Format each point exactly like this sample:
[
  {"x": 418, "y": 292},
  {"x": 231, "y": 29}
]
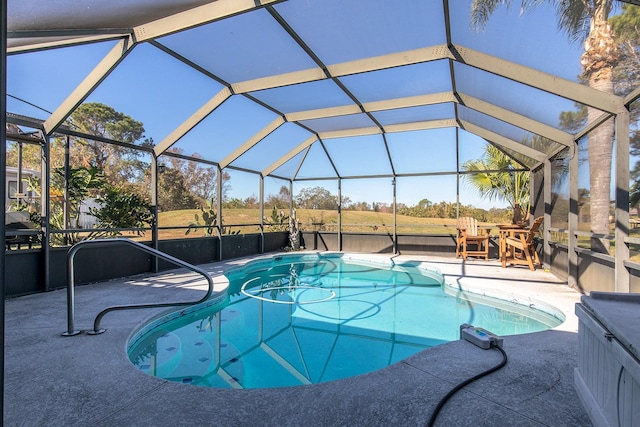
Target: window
[{"x": 13, "y": 189}]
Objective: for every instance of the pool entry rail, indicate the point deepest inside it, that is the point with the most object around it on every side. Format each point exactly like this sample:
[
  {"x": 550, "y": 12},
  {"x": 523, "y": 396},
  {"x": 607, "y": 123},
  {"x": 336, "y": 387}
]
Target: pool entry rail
[{"x": 119, "y": 241}]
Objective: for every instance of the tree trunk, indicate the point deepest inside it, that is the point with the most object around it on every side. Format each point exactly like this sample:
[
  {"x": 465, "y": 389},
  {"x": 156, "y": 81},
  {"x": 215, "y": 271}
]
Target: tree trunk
[
  {"x": 598, "y": 60},
  {"x": 600, "y": 158}
]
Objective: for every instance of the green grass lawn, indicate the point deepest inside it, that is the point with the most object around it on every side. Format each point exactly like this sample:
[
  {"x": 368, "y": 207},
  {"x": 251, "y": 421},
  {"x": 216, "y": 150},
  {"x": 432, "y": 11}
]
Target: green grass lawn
[
  {"x": 313, "y": 220},
  {"x": 352, "y": 221}
]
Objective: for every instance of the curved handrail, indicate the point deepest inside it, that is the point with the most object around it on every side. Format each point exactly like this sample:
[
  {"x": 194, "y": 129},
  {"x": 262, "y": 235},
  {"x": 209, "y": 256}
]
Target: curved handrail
[{"x": 108, "y": 242}]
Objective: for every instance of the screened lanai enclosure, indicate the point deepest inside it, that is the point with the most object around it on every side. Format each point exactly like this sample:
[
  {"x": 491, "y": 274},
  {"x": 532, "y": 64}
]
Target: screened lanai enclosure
[{"x": 209, "y": 129}]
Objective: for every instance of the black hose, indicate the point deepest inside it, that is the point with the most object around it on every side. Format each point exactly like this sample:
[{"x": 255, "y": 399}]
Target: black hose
[{"x": 464, "y": 383}]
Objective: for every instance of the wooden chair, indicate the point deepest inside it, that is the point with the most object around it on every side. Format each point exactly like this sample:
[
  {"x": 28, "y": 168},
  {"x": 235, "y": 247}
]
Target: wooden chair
[
  {"x": 520, "y": 244},
  {"x": 470, "y": 234}
]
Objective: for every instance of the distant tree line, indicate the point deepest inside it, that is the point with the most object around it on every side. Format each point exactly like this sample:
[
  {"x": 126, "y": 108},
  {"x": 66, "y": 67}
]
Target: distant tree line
[{"x": 321, "y": 199}]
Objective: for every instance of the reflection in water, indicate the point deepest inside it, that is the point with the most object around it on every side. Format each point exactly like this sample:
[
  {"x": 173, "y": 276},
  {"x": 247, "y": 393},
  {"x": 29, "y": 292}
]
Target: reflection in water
[
  {"x": 273, "y": 331},
  {"x": 288, "y": 288}
]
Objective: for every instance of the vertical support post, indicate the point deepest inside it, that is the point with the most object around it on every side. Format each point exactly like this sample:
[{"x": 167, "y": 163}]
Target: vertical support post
[
  {"x": 395, "y": 218},
  {"x": 339, "y": 214},
  {"x": 19, "y": 188},
  {"x": 457, "y": 175},
  {"x": 293, "y": 226},
  {"x": 3, "y": 179},
  {"x": 291, "y": 212},
  {"x": 67, "y": 174},
  {"x": 573, "y": 219},
  {"x": 155, "y": 178},
  {"x": 45, "y": 208},
  {"x": 622, "y": 200},
  {"x": 290, "y": 196},
  {"x": 219, "y": 209},
  {"x": 532, "y": 196},
  {"x": 262, "y": 214},
  {"x": 547, "y": 214}
]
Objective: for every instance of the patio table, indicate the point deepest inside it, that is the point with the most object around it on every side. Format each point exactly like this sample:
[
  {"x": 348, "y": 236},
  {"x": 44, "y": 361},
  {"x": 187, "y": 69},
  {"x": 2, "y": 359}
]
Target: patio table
[{"x": 507, "y": 230}]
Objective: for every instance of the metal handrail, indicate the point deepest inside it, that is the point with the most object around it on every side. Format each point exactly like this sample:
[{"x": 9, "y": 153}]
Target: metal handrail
[{"x": 108, "y": 242}]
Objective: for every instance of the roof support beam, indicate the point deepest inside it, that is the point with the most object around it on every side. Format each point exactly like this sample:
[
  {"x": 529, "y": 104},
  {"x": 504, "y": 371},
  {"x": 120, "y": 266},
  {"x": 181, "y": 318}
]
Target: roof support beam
[
  {"x": 632, "y": 96},
  {"x": 30, "y": 46},
  {"x": 408, "y": 57},
  {"x": 346, "y": 68},
  {"x": 287, "y": 79},
  {"x": 88, "y": 85},
  {"x": 518, "y": 120},
  {"x": 516, "y": 72},
  {"x": 428, "y": 124},
  {"x": 539, "y": 80},
  {"x": 31, "y": 34},
  {"x": 304, "y": 157},
  {"x": 285, "y": 26},
  {"x": 251, "y": 142},
  {"x": 400, "y": 127},
  {"x": 589, "y": 127},
  {"x": 192, "y": 121},
  {"x": 372, "y": 130},
  {"x": 323, "y": 112},
  {"x": 504, "y": 142},
  {"x": 507, "y": 116},
  {"x": 411, "y": 101},
  {"x": 197, "y": 16},
  {"x": 290, "y": 155}
]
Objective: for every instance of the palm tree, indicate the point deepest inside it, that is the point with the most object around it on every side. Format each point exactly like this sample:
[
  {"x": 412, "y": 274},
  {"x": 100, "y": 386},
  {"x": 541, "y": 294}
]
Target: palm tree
[
  {"x": 598, "y": 61},
  {"x": 507, "y": 185}
]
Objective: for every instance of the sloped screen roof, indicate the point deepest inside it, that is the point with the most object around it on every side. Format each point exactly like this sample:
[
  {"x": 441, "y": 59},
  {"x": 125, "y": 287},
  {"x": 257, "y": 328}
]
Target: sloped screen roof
[{"x": 360, "y": 87}]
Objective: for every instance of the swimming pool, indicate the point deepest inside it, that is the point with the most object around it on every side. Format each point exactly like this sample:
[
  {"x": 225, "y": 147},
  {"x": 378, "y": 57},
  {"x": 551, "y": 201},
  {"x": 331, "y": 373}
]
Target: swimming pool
[{"x": 304, "y": 319}]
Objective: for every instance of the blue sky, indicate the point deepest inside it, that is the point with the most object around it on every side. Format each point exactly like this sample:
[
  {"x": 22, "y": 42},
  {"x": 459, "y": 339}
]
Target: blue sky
[{"x": 143, "y": 87}]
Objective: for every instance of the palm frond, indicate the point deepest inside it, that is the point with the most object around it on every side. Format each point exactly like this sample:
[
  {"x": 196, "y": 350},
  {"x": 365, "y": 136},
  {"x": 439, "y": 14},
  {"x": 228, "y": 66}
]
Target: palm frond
[
  {"x": 573, "y": 18},
  {"x": 482, "y": 9},
  {"x": 508, "y": 185}
]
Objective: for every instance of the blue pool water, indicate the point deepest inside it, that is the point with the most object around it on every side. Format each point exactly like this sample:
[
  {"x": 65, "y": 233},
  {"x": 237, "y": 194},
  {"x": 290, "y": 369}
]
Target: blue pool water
[{"x": 306, "y": 319}]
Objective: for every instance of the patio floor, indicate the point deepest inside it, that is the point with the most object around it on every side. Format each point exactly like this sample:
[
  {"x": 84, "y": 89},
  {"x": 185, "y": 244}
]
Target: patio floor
[{"x": 88, "y": 380}]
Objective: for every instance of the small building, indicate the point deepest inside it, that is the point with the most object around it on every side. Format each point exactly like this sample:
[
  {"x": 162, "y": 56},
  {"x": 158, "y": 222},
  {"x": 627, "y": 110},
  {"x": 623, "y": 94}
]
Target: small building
[{"x": 13, "y": 193}]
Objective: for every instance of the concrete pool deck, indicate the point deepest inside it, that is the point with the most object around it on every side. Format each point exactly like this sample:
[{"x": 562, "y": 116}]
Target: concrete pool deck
[{"x": 87, "y": 380}]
